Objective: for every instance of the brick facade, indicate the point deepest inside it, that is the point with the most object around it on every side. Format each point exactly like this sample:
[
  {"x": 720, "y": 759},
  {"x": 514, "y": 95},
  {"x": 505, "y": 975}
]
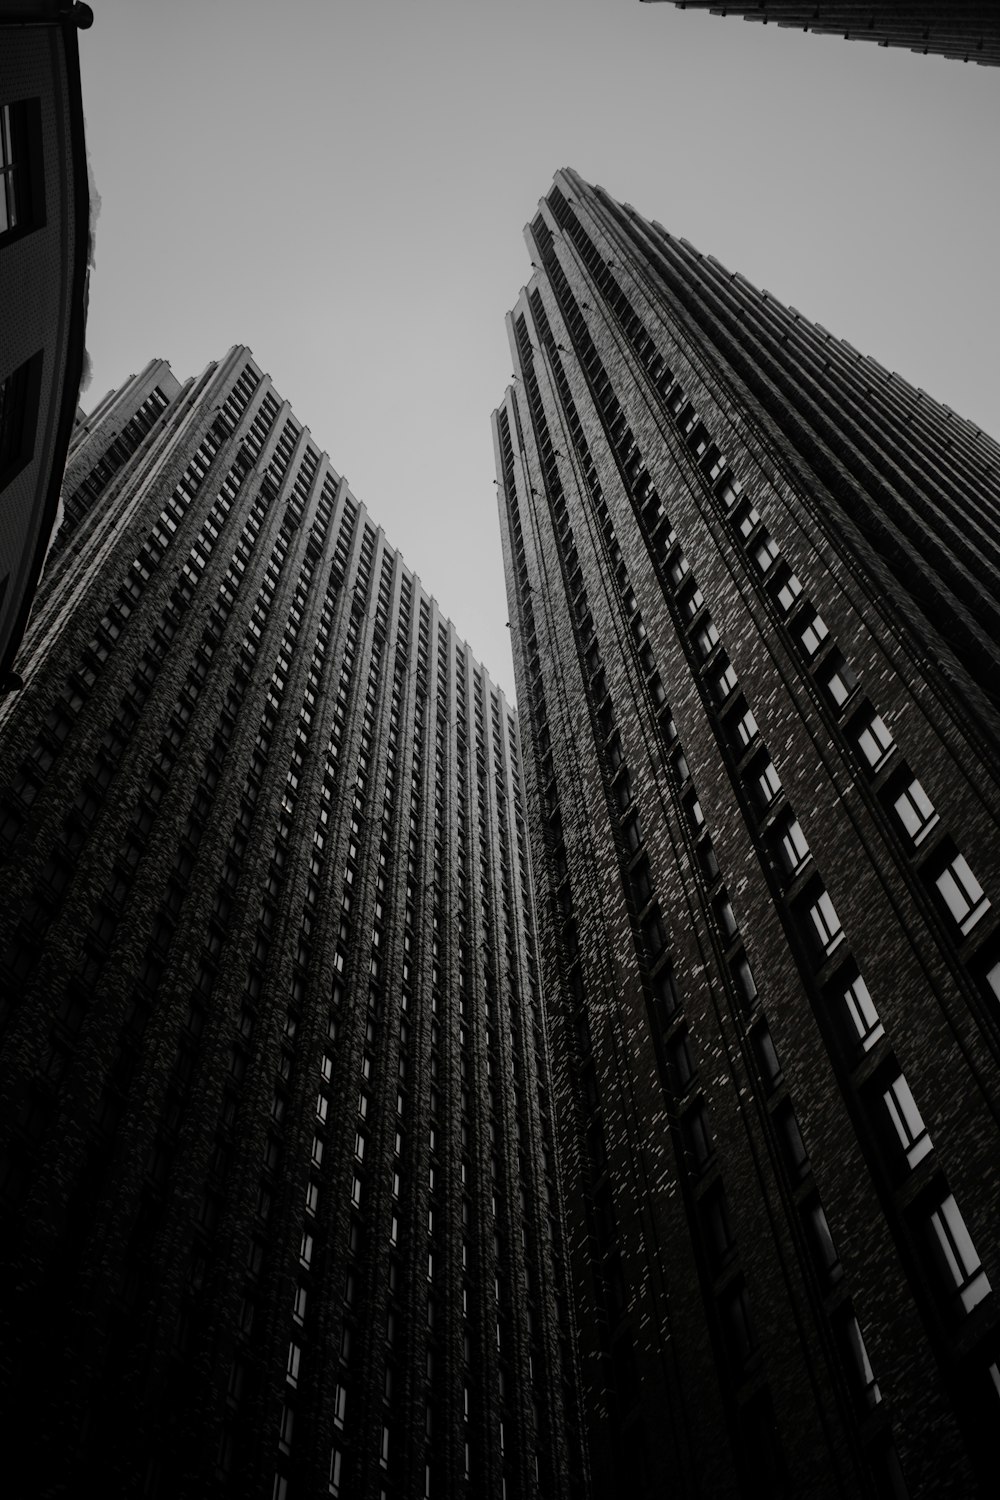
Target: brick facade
[
  {"x": 278, "y": 1144},
  {"x": 752, "y": 583}
]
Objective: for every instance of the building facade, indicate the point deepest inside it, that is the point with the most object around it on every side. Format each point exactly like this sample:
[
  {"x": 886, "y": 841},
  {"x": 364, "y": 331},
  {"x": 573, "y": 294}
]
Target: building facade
[
  {"x": 752, "y": 586},
  {"x": 966, "y": 30},
  {"x": 279, "y": 1173},
  {"x": 44, "y": 240}
]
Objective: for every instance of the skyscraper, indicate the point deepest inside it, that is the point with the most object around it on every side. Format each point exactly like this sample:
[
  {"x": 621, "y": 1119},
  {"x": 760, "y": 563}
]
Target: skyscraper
[
  {"x": 753, "y": 589},
  {"x": 966, "y": 30},
  {"x": 278, "y": 1153}
]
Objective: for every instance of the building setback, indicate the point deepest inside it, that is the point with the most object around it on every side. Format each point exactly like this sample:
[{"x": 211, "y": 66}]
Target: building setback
[
  {"x": 966, "y": 30},
  {"x": 752, "y": 585},
  {"x": 278, "y": 1154}
]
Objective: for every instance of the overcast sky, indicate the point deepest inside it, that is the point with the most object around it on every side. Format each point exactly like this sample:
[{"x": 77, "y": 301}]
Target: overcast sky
[{"x": 342, "y": 185}]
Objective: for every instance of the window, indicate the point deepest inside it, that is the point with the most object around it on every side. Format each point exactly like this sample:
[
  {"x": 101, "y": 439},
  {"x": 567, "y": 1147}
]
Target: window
[
  {"x": 707, "y": 638},
  {"x": 746, "y": 985},
  {"x": 991, "y": 978},
  {"x": 724, "y": 682},
  {"x": 826, "y": 923},
  {"x": 765, "y": 552},
  {"x": 19, "y": 396},
  {"x": 857, "y": 1361},
  {"x": 915, "y": 810},
  {"x": 860, "y": 1011},
  {"x": 680, "y": 1062},
  {"x": 678, "y": 568},
  {"x": 794, "y": 851},
  {"x": 286, "y": 1429},
  {"x": 692, "y": 602},
  {"x": 840, "y": 681},
  {"x": 873, "y": 740},
  {"x": 697, "y": 1136},
  {"x": 961, "y": 893},
  {"x": 787, "y": 591},
  {"x": 740, "y": 1339},
  {"x": 766, "y": 1057},
  {"x": 821, "y": 1242},
  {"x": 790, "y": 1139},
  {"x": 725, "y": 917},
  {"x": 906, "y": 1120},
  {"x": 745, "y": 729},
  {"x": 299, "y": 1306},
  {"x": 767, "y": 782},
  {"x": 747, "y": 520},
  {"x": 715, "y": 1227},
  {"x": 955, "y": 1253},
  {"x": 812, "y": 635},
  {"x": 22, "y": 190}
]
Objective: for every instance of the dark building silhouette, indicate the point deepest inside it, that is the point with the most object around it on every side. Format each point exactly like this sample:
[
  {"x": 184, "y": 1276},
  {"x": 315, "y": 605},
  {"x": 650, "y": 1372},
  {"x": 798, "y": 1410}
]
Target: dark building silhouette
[
  {"x": 278, "y": 1162},
  {"x": 44, "y": 238},
  {"x": 967, "y": 30},
  {"x": 753, "y": 590}
]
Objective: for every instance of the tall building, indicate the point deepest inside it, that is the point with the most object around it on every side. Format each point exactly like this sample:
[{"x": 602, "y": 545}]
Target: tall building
[
  {"x": 967, "y": 30},
  {"x": 44, "y": 245},
  {"x": 752, "y": 580},
  {"x": 278, "y": 1154}
]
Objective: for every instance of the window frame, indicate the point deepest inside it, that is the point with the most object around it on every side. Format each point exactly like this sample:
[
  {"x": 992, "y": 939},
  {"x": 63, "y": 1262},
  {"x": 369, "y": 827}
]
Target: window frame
[
  {"x": 860, "y": 1011},
  {"x": 905, "y": 797},
  {"x": 823, "y": 914},
  {"x": 22, "y": 176},
  {"x": 974, "y": 909},
  {"x": 863, "y": 730},
  {"x": 908, "y": 1124},
  {"x": 954, "y": 1251}
]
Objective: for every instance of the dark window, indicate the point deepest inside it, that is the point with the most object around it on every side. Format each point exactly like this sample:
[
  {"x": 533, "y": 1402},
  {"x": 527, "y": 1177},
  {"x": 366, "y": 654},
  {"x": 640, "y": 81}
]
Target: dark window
[
  {"x": 22, "y": 194},
  {"x": 697, "y": 1136},
  {"x": 791, "y": 1142},
  {"x": 19, "y": 394},
  {"x": 839, "y": 680},
  {"x": 715, "y": 1227},
  {"x": 855, "y": 1356},
  {"x": 821, "y": 1242},
  {"x": 737, "y": 1328}
]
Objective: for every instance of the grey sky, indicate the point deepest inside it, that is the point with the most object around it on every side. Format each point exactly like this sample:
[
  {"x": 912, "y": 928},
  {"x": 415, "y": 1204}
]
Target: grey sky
[{"x": 342, "y": 186}]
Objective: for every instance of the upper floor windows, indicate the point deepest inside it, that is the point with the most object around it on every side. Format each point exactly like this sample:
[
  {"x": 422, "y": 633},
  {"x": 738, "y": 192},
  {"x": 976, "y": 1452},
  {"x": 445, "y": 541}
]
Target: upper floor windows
[
  {"x": 839, "y": 680},
  {"x": 914, "y": 809},
  {"x": 825, "y": 923},
  {"x": 744, "y": 728},
  {"x": 859, "y": 1009},
  {"x": 812, "y": 633},
  {"x": 765, "y": 552},
  {"x": 767, "y": 783},
  {"x": 787, "y": 590},
  {"x": 872, "y": 738},
  {"x": 19, "y": 396},
  {"x": 910, "y": 1129},
  {"x": 793, "y": 849},
  {"x": 22, "y": 193},
  {"x": 960, "y": 1266},
  {"x": 961, "y": 892}
]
